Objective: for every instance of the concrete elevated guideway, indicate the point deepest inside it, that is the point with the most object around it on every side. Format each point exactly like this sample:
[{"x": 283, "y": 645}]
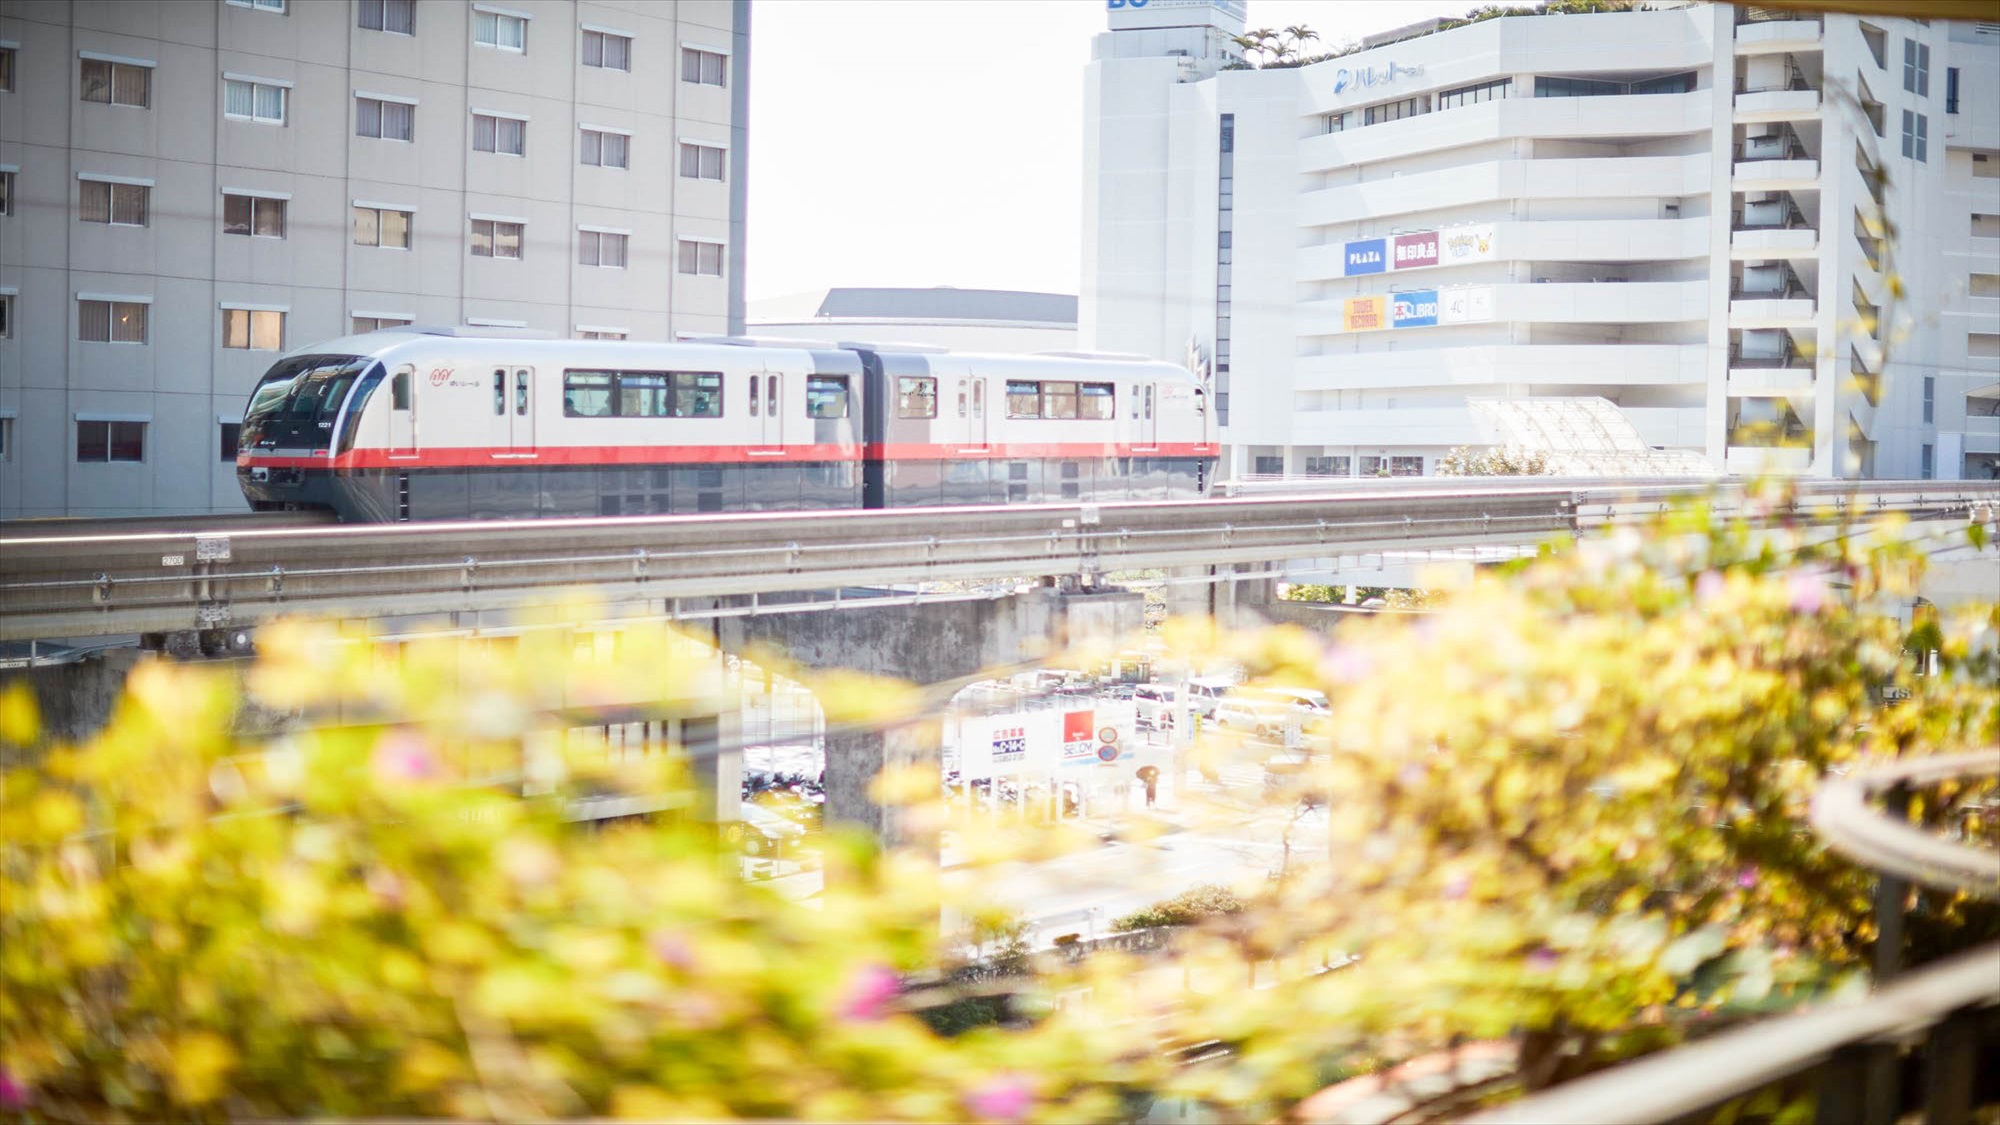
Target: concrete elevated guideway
[
  {"x": 99, "y": 581},
  {"x": 60, "y": 585}
]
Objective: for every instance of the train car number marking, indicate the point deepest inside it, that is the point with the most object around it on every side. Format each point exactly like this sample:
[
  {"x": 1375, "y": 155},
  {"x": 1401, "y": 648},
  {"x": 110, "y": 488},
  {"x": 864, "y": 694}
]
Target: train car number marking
[{"x": 173, "y": 560}]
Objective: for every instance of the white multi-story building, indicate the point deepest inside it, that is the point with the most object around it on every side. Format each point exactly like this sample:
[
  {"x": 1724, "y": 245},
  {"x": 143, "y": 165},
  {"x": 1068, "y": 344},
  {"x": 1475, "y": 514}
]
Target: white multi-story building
[
  {"x": 190, "y": 187},
  {"x": 1770, "y": 237},
  {"x": 966, "y": 320}
]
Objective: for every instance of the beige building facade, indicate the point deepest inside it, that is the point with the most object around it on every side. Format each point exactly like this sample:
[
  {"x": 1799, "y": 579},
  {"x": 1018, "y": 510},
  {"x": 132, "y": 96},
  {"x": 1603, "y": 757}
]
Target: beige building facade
[{"x": 191, "y": 188}]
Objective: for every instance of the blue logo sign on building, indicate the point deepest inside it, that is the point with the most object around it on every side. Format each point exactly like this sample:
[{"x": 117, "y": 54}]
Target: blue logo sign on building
[
  {"x": 1413, "y": 310},
  {"x": 1370, "y": 255}
]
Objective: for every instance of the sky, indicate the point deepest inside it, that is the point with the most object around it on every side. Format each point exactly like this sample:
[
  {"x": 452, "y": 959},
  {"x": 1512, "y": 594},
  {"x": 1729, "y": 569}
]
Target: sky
[{"x": 940, "y": 142}]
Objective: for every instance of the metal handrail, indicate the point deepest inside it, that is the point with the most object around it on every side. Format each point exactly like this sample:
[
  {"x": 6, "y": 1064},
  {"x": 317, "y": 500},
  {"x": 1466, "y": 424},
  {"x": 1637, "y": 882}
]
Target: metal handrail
[
  {"x": 1688, "y": 1080},
  {"x": 1842, "y": 816},
  {"x": 1852, "y": 1045}
]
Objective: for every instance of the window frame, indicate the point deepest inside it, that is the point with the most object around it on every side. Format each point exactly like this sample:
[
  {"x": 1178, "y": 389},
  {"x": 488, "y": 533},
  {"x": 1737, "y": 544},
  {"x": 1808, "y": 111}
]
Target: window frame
[
  {"x": 924, "y": 390},
  {"x": 595, "y": 237},
  {"x": 409, "y": 224},
  {"x": 676, "y": 394},
  {"x": 381, "y": 105},
  {"x": 1916, "y": 68},
  {"x": 1018, "y": 395},
  {"x": 112, "y": 304},
  {"x": 500, "y": 19},
  {"x": 112, "y": 193},
  {"x": 1916, "y": 136},
  {"x": 377, "y": 322},
  {"x": 604, "y": 38},
  {"x": 491, "y": 121},
  {"x": 113, "y": 67},
  {"x": 7, "y": 188},
  {"x": 110, "y": 444},
  {"x": 275, "y": 7},
  {"x": 701, "y": 247},
  {"x": 493, "y": 232},
  {"x": 255, "y": 321},
  {"x": 7, "y": 69},
  {"x": 699, "y": 56},
  {"x": 697, "y": 150},
  {"x": 596, "y": 136},
  {"x": 7, "y": 315},
  {"x": 824, "y": 388},
  {"x": 257, "y": 85},
  {"x": 381, "y": 7},
  {"x": 228, "y": 440},
  {"x": 257, "y": 204}
]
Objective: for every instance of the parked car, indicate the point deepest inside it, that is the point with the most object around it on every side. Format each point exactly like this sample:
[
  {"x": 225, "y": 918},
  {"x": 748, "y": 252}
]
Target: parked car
[
  {"x": 765, "y": 832},
  {"x": 1153, "y": 706},
  {"x": 1204, "y": 692},
  {"x": 1267, "y": 712}
]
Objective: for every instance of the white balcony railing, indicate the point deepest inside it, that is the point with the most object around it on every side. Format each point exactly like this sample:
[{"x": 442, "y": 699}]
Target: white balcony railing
[
  {"x": 1770, "y": 382},
  {"x": 1771, "y": 312},
  {"x": 1774, "y": 175},
  {"x": 1798, "y": 242},
  {"x": 1771, "y": 36},
  {"x": 1777, "y": 105},
  {"x": 1754, "y": 460}
]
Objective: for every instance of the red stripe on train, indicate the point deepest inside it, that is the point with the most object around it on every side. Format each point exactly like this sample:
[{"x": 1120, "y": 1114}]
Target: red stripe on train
[{"x": 635, "y": 455}]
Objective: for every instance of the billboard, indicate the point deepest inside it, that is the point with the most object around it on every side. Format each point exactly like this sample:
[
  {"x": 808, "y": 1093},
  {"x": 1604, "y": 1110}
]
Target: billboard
[
  {"x": 1079, "y": 738},
  {"x": 1414, "y": 310},
  {"x": 1413, "y": 250},
  {"x": 1370, "y": 255},
  {"x": 1468, "y": 305},
  {"x": 1466, "y": 244},
  {"x": 1364, "y": 314}
]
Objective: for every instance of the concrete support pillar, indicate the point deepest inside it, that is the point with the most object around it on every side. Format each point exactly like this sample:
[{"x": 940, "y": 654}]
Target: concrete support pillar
[
  {"x": 857, "y": 759},
  {"x": 714, "y": 745},
  {"x": 76, "y": 699}
]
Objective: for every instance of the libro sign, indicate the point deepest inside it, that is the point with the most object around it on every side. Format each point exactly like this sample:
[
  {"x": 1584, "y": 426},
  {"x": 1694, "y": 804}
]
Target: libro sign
[{"x": 1414, "y": 310}]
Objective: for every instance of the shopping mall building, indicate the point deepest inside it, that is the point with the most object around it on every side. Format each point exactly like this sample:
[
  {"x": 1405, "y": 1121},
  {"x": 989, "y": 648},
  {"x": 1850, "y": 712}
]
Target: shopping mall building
[{"x": 1770, "y": 237}]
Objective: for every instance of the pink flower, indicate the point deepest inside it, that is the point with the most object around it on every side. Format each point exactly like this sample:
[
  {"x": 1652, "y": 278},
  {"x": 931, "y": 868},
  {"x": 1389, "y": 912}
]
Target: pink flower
[
  {"x": 1455, "y": 887},
  {"x": 671, "y": 948},
  {"x": 1709, "y": 586},
  {"x": 1542, "y": 960},
  {"x": 1805, "y": 590},
  {"x": 403, "y": 756},
  {"x": 1004, "y": 1097},
  {"x": 13, "y": 1095},
  {"x": 1747, "y": 878},
  {"x": 868, "y": 994},
  {"x": 386, "y": 886}
]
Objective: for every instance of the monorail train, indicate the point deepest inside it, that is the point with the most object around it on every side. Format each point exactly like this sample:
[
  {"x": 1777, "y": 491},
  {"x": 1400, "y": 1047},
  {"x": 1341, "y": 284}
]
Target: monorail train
[{"x": 418, "y": 423}]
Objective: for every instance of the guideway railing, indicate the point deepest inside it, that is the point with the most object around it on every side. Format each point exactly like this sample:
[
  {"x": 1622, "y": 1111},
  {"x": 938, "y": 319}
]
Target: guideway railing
[
  {"x": 54, "y": 584},
  {"x": 1942, "y": 1019}
]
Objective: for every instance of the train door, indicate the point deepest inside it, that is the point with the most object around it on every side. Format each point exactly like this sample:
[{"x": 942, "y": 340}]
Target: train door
[
  {"x": 766, "y": 425},
  {"x": 521, "y": 419},
  {"x": 981, "y": 435},
  {"x": 403, "y": 412}
]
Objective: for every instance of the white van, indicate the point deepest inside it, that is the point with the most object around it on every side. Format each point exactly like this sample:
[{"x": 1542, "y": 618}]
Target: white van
[
  {"x": 1204, "y": 692},
  {"x": 1267, "y": 712},
  {"x": 1153, "y": 707}
]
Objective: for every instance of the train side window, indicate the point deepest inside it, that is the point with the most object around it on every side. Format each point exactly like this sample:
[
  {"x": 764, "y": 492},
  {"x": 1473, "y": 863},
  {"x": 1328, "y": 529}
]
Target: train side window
[
  {"x": 753, "y": 396},
  {"x": 1135, "y": 406},
  {"x": 916, "y": 397},
  {"x": 1096, "y": 401},
  {"x": 826, "y": 396},
  {"x": 521, "y": 391},
  {"x": 1059, "y": 400},
  {"x": 1149, "y": 400},
  {"x": 979, "y": 398},
  {"x": 1024, "y": 399},
  {"x": 771, "y": 394},
  {"x": 697, "y": 394},
  {"x": 587, "y": 394},
  {"x": 399, "y": 390},
  {"x": 499, "y": 391},
  {"x": 961, "y": 398},
  {"x": 1200, "y": 401}
]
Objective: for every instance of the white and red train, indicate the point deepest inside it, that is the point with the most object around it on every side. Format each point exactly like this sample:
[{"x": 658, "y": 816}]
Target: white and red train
[{"x": 416, "y": 423}]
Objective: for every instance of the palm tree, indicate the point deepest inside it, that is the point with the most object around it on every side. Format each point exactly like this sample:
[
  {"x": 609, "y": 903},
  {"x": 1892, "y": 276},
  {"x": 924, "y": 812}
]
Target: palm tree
[
  {"x": 1300, "y": 35},
  {"x": 1257, "y": 42}
]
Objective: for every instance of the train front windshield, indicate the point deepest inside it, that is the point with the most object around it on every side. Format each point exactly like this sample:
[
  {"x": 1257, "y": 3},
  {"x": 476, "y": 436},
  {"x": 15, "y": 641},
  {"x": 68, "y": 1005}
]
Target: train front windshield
[{"x": 296, "y": 402}]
